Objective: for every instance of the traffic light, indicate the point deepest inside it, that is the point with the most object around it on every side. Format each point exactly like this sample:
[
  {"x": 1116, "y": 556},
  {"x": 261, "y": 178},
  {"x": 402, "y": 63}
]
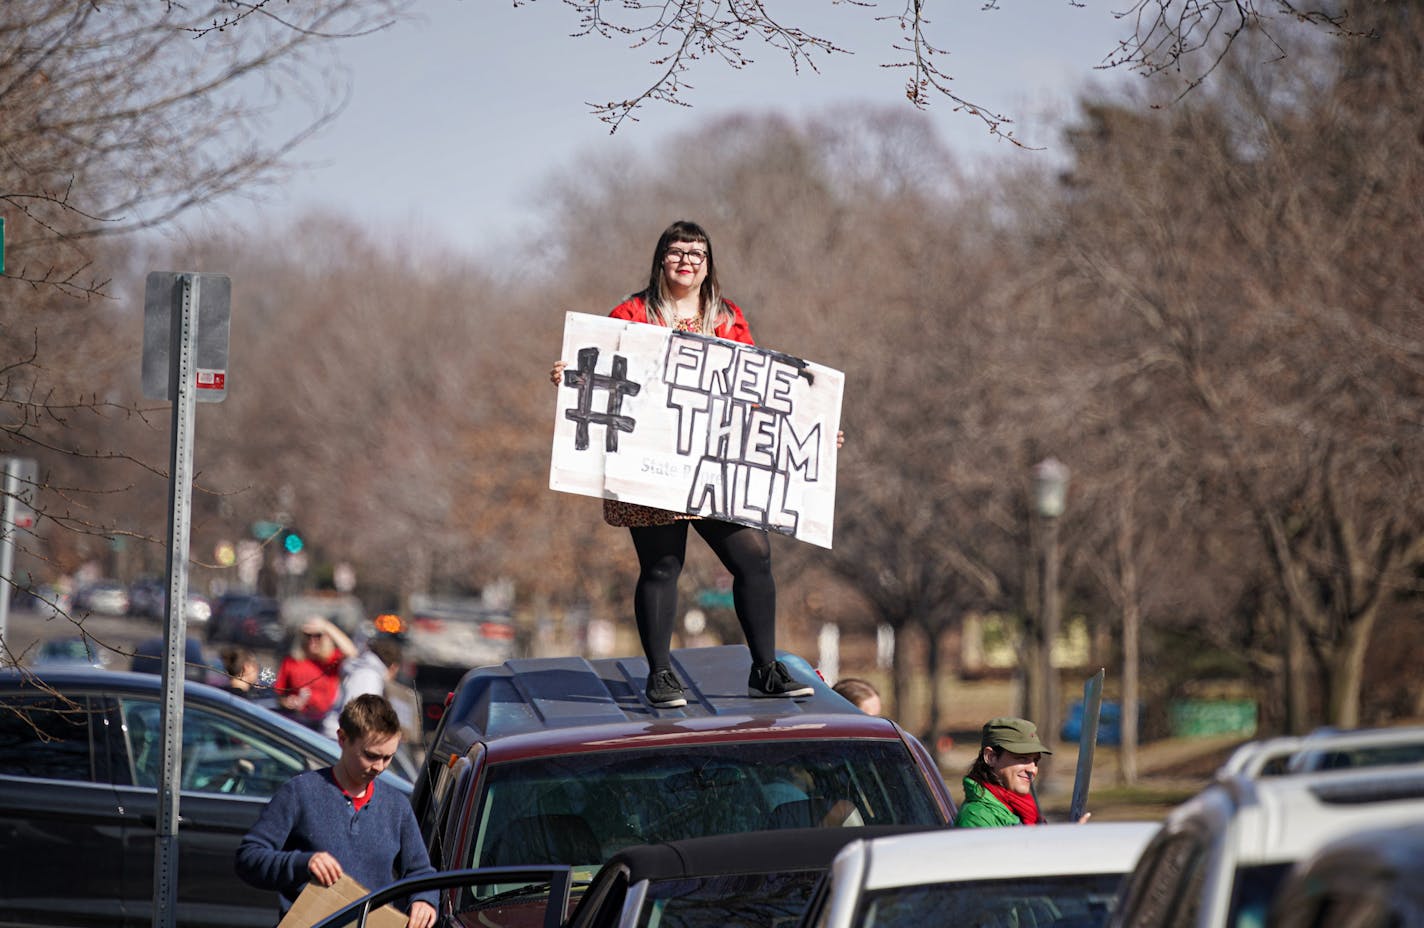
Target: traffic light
[{"x": 292, "y": 541}]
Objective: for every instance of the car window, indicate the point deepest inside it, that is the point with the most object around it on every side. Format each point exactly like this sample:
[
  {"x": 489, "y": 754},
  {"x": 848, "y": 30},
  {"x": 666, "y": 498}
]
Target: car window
[
  {"x": 1252, "y": 892},
  {"x": 579, "y": 809},
  {"x": 1367, "y": 905},
  {"x": 744, "y": 900},
  {"x": 220, "y": 754},
  {"x": 1368, "y": 757},
  {"x": 1080, "y": 901},
  {"x": 45, "y": 736},
  {"x": 1166, "y": 884}
]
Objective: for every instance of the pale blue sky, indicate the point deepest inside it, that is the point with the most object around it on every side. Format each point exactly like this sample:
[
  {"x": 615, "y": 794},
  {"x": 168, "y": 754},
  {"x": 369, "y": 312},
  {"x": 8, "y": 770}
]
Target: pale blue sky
[{"x": 458, "y": 116}]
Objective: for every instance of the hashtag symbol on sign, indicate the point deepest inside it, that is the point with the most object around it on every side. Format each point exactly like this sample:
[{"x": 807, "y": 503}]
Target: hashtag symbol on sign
[{"x": 616, "y": 385}]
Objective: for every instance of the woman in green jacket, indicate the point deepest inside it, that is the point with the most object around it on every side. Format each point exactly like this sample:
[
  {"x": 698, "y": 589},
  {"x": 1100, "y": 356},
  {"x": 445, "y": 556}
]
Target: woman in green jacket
[{"x": 999, "y": 787}]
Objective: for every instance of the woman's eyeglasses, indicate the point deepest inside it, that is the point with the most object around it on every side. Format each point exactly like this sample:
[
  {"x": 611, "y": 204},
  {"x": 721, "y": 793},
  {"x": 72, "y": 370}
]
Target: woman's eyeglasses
[{"x": 677, "y": 256}]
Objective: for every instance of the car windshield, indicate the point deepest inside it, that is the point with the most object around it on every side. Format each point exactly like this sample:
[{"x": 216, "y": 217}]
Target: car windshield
[
  {"x": 1081, "y": 901},
  {"x": 744, "y": 900},
  {"x": 579, "y": 809}
]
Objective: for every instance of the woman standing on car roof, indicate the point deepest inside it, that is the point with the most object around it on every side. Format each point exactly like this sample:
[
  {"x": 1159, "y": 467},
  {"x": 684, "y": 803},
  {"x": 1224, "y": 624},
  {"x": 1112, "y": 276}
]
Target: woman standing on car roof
[
  {"x": 999, "y": 787},
  {"x": 683, "y": 294}
]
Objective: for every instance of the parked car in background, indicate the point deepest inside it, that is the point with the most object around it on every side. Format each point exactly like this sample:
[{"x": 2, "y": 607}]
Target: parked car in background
[
  {"x": 1062, "y": 875},
  {"x": 47, "y": 601},
  {"x": 147, "y": 596},
  {"x": 79, "y": 777},
  {"x": 150, "y": 655},
  {"x": 1367, "y": 879},
  {"x": 102, "y": 597},
  {"x": 1220, "y": 857},
  {"x": 247, "y": 619},
  {"x": 199, "y": 610},
  {"x": 562, "y": 760},
  {"x": 444, "y": 636},
  {"x": 71, "y": 651}
]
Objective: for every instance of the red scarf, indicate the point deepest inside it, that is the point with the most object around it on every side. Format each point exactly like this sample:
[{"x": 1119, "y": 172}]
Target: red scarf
[{"x": 1020, "y": 804}]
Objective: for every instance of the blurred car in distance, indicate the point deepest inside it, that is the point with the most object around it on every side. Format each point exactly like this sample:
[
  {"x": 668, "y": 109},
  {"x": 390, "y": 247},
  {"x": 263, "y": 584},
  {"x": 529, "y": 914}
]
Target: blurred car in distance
[
  {"x": 147, "y": 596},
  {"x": 1366, "y": 879},
  {"x": 79, "y": 781},
  {"x": 46, "y": 600},
  {"x": 71, "y": 651},
  {"x": 444, "y": 637},
  {"x": 1109, "y": 722},
  {"x": 1063, "y": 875},
  {"x": 103, "y": 597},
  {"x": 1219, "y": 858},
  {"x": 563, "y": 761},
  {"x": 199, "y": 610},
  {"x": 246, "y": 619},
  {"x": 150, "y": 655}
]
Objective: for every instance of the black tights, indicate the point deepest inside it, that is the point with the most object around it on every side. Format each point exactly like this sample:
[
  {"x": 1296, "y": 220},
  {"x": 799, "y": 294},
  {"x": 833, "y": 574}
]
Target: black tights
[{"x": 743, "y": 550}]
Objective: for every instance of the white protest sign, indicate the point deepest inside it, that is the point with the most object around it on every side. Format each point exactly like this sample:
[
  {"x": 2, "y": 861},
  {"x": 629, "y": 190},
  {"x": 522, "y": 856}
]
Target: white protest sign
[{"x": 697, "y": 424}]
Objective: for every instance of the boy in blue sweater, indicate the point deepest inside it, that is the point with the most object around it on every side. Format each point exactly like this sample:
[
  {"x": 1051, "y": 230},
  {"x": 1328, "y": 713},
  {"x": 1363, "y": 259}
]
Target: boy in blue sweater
[{"x": 323, "y": 823}]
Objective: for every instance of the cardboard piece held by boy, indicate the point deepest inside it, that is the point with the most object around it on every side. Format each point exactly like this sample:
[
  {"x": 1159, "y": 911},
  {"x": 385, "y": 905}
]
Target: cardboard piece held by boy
[{"x": 317, "y": 902}]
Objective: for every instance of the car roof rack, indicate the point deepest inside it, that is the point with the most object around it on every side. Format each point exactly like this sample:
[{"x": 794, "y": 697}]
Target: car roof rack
[{"x": 537, "y": 694}]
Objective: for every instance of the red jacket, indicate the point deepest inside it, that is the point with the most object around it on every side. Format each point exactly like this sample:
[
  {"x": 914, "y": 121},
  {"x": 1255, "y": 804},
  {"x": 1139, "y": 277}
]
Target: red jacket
[
  {"x": 635, "y": 310},
  {"x": 321, "y": 680}
]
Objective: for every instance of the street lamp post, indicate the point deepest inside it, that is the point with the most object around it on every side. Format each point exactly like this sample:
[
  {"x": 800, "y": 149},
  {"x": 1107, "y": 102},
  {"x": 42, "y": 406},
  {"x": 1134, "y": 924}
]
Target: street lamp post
[{"x": 1050, "y": 492}]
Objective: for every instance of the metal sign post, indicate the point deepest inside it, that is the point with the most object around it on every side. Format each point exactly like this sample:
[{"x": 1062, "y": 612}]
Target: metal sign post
[
  {"x": 1087, "y": 744},
  {"x": 180, "y": 297},
  {"x": 21, "y": 475}
]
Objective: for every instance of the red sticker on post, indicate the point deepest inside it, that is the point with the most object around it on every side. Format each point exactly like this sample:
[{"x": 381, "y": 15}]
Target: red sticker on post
[{"x": 212, "y": 380}]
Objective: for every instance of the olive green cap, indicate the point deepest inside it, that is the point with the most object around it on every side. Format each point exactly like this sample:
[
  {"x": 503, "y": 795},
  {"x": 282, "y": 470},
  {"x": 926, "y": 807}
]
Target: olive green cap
[{"x": 1011, "y": 734}]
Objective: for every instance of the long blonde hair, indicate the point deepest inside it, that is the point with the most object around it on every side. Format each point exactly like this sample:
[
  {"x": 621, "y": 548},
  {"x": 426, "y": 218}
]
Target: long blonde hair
[{"x": 712, "y": 310}]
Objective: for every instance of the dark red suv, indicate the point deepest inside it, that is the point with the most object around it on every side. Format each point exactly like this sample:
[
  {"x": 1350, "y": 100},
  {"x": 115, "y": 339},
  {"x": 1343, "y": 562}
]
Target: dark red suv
[{"x": 562, "y": 761}]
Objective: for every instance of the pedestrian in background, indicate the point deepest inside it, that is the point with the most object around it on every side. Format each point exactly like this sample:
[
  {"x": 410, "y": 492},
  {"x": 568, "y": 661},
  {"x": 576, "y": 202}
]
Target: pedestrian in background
[
  {"x": 998, "y": 790},
  {"x": 244, "y": 673},
  {"x": 309, "y": 678},
  {"x": 376, "y": 669},
  {"x": 861, "y": 693}
]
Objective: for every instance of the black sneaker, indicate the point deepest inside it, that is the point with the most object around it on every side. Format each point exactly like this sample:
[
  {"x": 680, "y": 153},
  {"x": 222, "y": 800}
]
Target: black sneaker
[
  {"x": 775, "y": 680},
  {"x": 664, "y": 691}
]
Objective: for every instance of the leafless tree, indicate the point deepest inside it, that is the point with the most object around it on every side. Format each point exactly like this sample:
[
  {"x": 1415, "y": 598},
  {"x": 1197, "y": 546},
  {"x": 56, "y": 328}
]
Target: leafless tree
[
  {"x": 121, "y": 116},
  {"x": 1243, "y": 251},
  {"x": 1192, "y": 38}
]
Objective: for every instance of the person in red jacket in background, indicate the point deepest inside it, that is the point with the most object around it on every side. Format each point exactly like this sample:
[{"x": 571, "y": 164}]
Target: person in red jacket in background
[
  {"x": 683, "y": 293},
  {"x": 309, "y": 678}
]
